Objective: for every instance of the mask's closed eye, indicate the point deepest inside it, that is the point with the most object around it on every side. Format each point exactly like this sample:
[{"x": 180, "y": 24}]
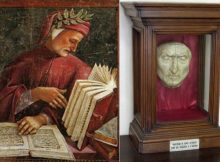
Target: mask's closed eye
[
  {"x": 183, "y": 58},
  {"x": 165, "y": 57}
]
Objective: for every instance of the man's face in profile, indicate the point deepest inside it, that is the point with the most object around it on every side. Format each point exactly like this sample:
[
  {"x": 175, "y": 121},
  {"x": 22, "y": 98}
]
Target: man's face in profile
[
  {"x": 173, "y": 60},
  {"x": 66, "y": 42}
]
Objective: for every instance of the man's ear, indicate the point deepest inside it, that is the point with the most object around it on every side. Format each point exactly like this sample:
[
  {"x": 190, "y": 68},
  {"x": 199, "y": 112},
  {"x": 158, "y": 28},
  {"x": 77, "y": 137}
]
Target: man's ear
[{"x": 56, "y": 32}]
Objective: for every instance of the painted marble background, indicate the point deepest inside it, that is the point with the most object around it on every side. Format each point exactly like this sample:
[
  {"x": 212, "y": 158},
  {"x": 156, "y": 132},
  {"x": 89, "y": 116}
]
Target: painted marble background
[{"x": 20, "y": 29}]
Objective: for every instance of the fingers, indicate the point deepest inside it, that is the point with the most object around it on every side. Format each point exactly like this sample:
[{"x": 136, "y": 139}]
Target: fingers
[
  {"x": 62, "y": 91},
  {"x": 59, "y": 101},
  {"x": 55, "y": 104},
  {"x": 28, "y": 130},
  {"x": 29, "y": 125},
  {"x": 63, "y": 99},
  {"x": 52, "y": 105},
  {"x": 24, "y": 127},
  {"x": 21, "y": 124},
  {"x": 54, "y": 97},
  {"x": 33, "y": 131},
  {"x": 62, "y": 102}
]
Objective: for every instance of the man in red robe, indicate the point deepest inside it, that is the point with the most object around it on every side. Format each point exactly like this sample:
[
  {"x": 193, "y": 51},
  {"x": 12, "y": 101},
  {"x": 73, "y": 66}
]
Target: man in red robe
[{"x": 34, "y": 88}]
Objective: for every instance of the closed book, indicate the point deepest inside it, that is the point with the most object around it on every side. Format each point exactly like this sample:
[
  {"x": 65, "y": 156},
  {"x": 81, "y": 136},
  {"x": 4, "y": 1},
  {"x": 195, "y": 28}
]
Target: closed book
[{"x": 107, "y": 151}]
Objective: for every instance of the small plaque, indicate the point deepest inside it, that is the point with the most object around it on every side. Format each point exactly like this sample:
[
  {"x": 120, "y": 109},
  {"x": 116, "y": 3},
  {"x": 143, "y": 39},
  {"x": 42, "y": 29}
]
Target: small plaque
[{"x": 182, "y": 145}]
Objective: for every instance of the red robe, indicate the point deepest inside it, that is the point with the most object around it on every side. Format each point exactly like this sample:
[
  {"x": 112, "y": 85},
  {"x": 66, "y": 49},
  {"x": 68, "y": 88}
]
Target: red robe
[{"x": 39, "y": 67}]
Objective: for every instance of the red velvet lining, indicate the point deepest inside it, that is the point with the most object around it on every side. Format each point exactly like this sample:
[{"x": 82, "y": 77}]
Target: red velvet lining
[
  {"x": 180, "y": 104},
  {"x": 181, "y": 115}
]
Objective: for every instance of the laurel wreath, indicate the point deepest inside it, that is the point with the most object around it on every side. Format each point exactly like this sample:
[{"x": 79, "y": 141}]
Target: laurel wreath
[{"x": 69, "y": 17}]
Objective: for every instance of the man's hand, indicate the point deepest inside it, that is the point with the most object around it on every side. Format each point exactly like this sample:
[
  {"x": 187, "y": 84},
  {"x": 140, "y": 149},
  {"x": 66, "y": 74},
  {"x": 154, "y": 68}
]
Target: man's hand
[
  {"x": 30, "y": 124},
  {"x": 51, "y": 95}
]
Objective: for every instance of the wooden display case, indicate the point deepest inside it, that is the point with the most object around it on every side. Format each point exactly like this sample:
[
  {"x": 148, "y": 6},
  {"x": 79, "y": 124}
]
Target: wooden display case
[{"x": 154, "y": 128}]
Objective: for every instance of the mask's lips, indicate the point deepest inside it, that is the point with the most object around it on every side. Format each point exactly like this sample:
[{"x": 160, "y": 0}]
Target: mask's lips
[{"x": 173, "y": 77}]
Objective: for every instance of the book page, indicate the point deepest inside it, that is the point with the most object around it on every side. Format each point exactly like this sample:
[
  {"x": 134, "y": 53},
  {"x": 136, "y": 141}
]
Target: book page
[
  {"x": 97, "y": 74},
  {"x": 11, "y": 143},
  {"x": 45, "y": 138},
  {"x": 84, "y": 107},
  {"x": 103, "y": 74},
  {"x": 67, "y": 109},
  {"x": 48, "y": 142},
  {"x": 74, "y": 99},
  {"x": 76, "y": 109}
]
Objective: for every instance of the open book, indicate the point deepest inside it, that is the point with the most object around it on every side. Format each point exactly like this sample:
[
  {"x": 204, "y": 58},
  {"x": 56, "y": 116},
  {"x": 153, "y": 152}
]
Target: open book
[
  {"x": 89, "y": 103},
  {"x": 48, "y": 142}
]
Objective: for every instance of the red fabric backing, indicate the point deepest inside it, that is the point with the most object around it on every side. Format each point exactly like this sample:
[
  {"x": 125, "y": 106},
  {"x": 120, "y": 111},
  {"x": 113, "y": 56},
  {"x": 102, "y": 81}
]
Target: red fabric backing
[
  {"x": 181, "y": 115},
  {"x": 177, "y": 104}
]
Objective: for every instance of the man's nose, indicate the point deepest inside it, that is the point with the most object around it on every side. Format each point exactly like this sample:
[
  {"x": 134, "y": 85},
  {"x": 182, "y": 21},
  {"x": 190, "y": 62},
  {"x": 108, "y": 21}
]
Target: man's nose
[
  {"x": 73, "y": 47},
  {"x": 174, "y": 65}
]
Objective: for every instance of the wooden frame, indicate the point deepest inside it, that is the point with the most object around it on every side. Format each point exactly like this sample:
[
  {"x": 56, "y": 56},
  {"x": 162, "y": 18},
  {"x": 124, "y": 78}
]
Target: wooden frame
[{"x": 150, "y": 20}]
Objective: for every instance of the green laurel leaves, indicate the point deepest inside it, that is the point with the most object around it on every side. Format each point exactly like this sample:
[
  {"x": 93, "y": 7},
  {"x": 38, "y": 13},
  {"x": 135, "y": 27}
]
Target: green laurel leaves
[{"x": 69, "y": 17}]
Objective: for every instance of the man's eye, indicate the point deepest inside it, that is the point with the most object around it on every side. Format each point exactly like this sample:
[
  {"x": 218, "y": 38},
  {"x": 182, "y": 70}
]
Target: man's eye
[{"x": 73, "y": 41}]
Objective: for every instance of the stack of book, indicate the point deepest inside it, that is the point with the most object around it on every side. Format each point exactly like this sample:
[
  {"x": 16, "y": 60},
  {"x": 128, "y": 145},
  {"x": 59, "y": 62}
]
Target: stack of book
[{"x": 89, "y": 103}]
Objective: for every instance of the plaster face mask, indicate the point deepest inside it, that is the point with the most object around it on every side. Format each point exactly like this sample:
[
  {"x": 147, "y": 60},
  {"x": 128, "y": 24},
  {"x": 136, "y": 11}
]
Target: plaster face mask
[{"x": 173, "y": 60}]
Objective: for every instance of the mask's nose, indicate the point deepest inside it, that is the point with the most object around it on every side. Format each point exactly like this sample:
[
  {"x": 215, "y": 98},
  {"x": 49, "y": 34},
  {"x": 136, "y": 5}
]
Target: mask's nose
[{"x": 174, "y": 65}]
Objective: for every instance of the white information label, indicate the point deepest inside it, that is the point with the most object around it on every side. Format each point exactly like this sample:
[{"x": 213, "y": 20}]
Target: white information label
[{"x": 181, "y": 145}]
